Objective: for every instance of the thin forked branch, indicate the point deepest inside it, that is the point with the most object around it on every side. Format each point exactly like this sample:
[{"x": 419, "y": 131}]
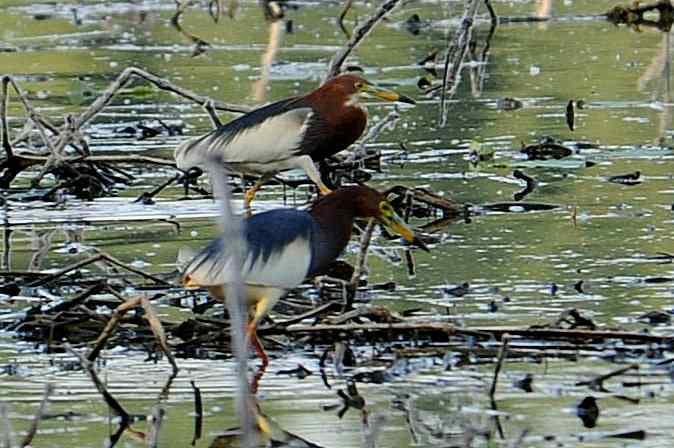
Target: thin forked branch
[{"x": 359, "y": 34}]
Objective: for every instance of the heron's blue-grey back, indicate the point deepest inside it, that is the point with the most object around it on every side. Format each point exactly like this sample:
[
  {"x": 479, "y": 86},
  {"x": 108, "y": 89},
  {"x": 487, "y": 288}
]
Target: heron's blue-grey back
[{"x": 278, "y": 252}]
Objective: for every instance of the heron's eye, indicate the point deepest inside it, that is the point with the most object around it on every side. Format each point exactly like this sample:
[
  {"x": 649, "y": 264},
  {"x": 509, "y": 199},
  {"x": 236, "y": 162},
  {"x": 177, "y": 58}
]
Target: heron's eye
[
  {"x": 386, "y": 208},
  {"x": 358, "y": 85}
]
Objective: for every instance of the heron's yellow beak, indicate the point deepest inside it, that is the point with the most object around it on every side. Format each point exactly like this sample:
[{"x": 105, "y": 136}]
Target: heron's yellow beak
[
  {"x": 395, "y": 224},
  {"x": 386, "y": 95}
]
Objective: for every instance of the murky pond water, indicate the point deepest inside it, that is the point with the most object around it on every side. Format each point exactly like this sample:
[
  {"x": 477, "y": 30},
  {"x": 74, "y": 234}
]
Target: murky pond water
[{"x": 606, "y": 234}]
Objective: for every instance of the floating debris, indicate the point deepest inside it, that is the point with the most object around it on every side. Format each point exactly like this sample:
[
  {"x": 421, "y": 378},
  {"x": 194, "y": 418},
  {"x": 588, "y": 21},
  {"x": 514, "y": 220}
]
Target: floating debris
[
  {"x": 547, "y": 149},
  {"x": 626, "y": 179},
  {"x": 570, "y": 115},
  {"x": 588, "y": 412}
]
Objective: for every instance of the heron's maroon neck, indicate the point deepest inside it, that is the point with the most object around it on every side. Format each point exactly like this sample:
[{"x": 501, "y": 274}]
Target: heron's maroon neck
[{"x": 335, "y": 214}]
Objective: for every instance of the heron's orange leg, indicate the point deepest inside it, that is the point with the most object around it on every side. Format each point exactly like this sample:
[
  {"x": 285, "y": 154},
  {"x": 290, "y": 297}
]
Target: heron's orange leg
[{"x": 251, "y": 335}]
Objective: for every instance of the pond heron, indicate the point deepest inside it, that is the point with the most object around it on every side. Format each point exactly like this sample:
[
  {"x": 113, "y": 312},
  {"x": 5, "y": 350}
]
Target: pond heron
[
  {"x": 285, "y": 246},
  {"x": 292, "y": 133}
]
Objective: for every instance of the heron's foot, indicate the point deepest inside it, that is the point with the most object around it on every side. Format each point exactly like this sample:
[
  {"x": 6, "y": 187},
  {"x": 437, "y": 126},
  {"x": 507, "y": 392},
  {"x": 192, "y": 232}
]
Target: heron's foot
[
  {"x": 248, "y": 197},
  {"x": 324, "y": 190}
]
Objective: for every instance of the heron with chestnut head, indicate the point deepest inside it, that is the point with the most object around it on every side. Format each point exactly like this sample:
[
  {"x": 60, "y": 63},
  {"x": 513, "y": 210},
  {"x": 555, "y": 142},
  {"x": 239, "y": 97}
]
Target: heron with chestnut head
[
  {"x": 285, "y": 246},
  {"x": 293, "y": 133}
]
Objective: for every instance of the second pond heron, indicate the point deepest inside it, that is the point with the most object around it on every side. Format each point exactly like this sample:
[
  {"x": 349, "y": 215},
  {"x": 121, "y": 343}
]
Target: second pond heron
[{"x": 292, "y": 133}]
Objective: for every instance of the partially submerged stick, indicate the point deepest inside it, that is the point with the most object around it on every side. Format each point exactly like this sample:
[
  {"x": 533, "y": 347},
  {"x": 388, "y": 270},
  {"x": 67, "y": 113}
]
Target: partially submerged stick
[
  {"x": 27, "y": 440},
  {"x": 112, "y": 403},
  {"x": 499, "y": 364}
]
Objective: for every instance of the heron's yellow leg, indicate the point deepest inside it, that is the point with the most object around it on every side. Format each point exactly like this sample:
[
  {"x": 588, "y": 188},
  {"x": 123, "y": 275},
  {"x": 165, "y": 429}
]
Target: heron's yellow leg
[
  {"x": 249, "y": 195},
  {"x": 312, "y": 173}
]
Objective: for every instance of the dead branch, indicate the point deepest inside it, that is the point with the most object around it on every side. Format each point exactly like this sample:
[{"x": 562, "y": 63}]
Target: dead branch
[
  {"x": 598, "y": 382},
  {"x": 109, "y": 329},
  {"x": 308, "y": 315},
  {"x": 442, "y": 331},
  {"x": 98, "y": 257},
  {"x": 70, "y": 132},
  {"x": 359, "y": 34},
  {"x": 128, "y": 74},
  {"x": 456, "y": 53},
  {"x": 375, "y": 313},
  {"x": 448, "y": 206},
  {"x": 32, "y": 113},
  {"x": 48, "y": 389}
]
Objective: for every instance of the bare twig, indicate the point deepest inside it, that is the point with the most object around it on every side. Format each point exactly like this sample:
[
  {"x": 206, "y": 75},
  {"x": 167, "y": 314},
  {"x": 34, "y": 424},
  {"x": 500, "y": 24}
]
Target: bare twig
[
  {"x": 349, "y": 289},
  {"x": 361, "y": 261},
  {"x": 308, "y": 315},
  {"x": 359, "y": 34},
  {"x": 98, "y": 257},
  {"x": 373, "y": 133},
  {"x": 158, "y": 331},
  {"x": 48, "y": 389},
  {"x": 492, "y": 13},
  {"x": 598, "y": 382},
  {"x": 454, "y": 57},
  {"x": 342, "y": 16},
  {"x": 131, "y": 72},
  {"x": 501, "y": 358},
  {"x": 109, "y": 399},
  {"x": 200, "y": 45},
  {"x": 32, "y": 114}
]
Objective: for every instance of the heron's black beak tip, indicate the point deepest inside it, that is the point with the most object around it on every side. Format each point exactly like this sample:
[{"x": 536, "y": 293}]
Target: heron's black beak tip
[
  {"x": 420, "y": 244},
  {"x": 406, "y": 99}
]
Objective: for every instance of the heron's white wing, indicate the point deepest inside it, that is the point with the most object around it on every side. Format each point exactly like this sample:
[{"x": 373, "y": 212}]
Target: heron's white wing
[
  {"x": 276, "y": 138},
  {"x": 265, "y": 135}
]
